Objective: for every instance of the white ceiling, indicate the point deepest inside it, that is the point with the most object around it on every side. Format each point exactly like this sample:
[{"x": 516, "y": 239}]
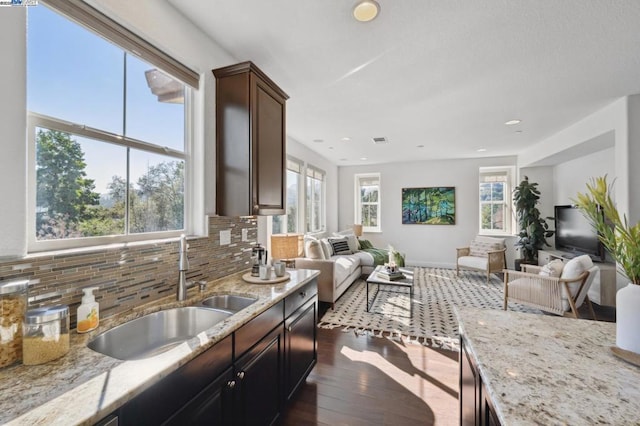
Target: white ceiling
[{"x": 445, "y": 74}]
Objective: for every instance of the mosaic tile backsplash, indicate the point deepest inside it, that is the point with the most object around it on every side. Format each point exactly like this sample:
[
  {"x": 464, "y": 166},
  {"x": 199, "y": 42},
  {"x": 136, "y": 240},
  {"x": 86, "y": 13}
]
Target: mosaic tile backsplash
[{"x": 128, "y": 276}]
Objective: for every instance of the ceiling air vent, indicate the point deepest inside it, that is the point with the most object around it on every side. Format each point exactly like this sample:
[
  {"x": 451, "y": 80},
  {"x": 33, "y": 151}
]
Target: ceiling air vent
[{"x": 380, "y": 140}]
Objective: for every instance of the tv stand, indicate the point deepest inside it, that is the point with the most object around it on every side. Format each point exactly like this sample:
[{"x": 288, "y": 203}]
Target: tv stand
[{"x": 604, "y": 288}]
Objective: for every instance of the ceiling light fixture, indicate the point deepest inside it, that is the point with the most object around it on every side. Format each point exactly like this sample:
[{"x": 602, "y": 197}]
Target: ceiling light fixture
[
  {"x": 482, "y": 149},
  {"x": 419, "y": 146},
  {"x": 363, "y": 158},
  {"x": 513, "y": 122},
  {"x": 366, "y": 10},
  {"x": 345, "y": 139},
  {"x": 318, "y": 140}
]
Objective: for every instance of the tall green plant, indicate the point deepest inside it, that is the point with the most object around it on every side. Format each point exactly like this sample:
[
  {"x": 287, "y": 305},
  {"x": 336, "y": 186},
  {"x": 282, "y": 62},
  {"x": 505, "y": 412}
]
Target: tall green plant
[
  {"x": 620, "y": 239},
  {"x": 534, "y": 229}
]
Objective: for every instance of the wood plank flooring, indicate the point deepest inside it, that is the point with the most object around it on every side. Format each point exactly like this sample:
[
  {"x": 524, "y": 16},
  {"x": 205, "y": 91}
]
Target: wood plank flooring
[{"x": 361, "y": 380}]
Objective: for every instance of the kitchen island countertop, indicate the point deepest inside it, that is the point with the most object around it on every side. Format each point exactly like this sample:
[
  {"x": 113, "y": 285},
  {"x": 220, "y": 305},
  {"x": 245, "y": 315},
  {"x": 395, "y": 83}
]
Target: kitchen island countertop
[{"x": 543, "y": 369}]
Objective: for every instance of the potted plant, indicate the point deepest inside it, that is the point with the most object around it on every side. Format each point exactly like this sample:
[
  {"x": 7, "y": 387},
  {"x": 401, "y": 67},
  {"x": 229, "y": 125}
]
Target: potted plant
[
  {"x": 623, "y": 243},
  {"x": 534, "y": 229}
]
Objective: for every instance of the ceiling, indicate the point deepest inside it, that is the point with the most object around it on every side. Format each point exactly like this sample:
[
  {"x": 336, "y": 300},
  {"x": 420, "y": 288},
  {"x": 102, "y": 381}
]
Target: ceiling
[{"x": 437, "y": 78}]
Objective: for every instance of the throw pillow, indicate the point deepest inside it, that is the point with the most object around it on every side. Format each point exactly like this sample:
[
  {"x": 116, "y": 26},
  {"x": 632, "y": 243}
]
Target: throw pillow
[
  {"x": 576, "y": 266},
  {"x": 326, "y": 248},
  {"x": 314, "y": 250},
  {"x": 307, "y": 240},
  {"x": 352, "y": 241},
  {"x": 339, "y": 246},
  {"x": 365, "y": 244},
  {"x": 552, "y": 269}
]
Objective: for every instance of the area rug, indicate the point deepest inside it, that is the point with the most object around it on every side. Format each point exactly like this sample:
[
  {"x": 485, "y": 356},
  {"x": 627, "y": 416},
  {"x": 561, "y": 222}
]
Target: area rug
[{"x": 431, "y": 321}]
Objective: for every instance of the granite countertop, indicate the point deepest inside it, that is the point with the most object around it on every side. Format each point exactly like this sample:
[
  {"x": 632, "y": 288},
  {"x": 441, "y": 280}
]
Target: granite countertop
[
  {"x": 542, "y": 369},
  {"x": 84, "y": 386}
]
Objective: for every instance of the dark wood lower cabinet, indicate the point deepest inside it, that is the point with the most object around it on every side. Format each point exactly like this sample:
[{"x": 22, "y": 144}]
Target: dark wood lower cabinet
[
  {"x": 300, "y": 346},
  {"x": 476, "y": 408},
  {"x": 259, "y": 382},
  {"x": 245, "y": 379}
]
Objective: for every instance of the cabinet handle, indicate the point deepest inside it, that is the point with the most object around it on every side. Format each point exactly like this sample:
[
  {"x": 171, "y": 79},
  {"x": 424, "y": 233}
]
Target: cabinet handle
[
  {"x": 289, "y": 328},
  {"x": 231, "y": 384},
  {"x": 240, "y": 375},
  {"x": 303, "y": 294},
  {"x": 256, "y": 208}
]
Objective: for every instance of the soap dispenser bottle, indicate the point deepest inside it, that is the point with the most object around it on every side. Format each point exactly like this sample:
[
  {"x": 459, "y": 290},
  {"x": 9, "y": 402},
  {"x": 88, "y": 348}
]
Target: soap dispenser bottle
[{"x": 88, "y": 311}]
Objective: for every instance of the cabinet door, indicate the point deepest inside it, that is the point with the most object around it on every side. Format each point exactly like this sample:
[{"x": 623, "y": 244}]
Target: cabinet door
[
  {"x": 300, "y": 346},
  {"x": 268, "y": 116},
  {"x": 213, "y": 406},
  {"x": 469, "y": 389},
  {"x": 259, "y": 382}
]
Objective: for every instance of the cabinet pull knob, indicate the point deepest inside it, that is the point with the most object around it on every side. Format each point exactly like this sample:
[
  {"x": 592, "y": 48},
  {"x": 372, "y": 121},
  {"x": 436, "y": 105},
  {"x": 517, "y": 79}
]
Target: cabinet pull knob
[
  {"x": 240, "y": 375},
  {"x": 303, "y": 294},
  {"x": 231, "y": 384},
  {"x": 289, "y": 328}
]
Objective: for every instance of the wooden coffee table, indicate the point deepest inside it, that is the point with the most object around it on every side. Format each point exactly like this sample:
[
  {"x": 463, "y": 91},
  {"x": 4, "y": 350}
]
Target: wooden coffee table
[{"x": 407, "y": 282}]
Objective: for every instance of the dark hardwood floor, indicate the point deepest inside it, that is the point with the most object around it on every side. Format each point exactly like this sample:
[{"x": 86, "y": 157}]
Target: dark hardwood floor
[{"x": 362, "y": 380}]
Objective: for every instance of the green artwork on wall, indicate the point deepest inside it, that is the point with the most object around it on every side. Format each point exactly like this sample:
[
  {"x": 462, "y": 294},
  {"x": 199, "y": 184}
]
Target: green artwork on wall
[{"x": 429, "y": 206}]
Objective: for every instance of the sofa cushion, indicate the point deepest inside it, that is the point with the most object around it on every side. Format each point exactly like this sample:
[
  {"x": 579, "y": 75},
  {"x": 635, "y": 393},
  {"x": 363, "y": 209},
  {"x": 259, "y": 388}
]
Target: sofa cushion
[
  {"x": 573, "y": 269},
  {"x": 326, "y": 248},
  {"x": 339, "y": 246},
  {"x": 352, "y": 240},
  {"x": 481, "y": 245},
  {"x": 364, "y": 244},
  {"x": 314, "y": 250},
  {"x": 473, "y": 262},
  {"x": 344, "y": 266},
  {"x": 307, "y": 240},
  {"x": 552, "y": 269}
]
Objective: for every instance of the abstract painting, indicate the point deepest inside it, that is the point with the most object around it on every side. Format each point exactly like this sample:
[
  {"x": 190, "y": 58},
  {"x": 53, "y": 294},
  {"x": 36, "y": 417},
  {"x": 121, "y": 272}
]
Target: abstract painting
[{"x": 429, "y": 206}]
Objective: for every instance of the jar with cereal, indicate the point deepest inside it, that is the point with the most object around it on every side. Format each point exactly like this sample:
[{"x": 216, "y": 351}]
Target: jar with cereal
[
  {"x": 45, "y": 334},
  {"x": 13, "y": 303}
]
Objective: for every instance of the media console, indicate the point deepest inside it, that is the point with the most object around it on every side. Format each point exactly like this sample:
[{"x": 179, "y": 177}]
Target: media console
[{"x": 604, "y": 287}]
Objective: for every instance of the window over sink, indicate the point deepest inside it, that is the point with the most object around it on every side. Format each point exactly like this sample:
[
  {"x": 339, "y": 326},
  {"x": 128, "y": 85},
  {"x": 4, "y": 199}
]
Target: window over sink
[{"x": 106, "y": 133}]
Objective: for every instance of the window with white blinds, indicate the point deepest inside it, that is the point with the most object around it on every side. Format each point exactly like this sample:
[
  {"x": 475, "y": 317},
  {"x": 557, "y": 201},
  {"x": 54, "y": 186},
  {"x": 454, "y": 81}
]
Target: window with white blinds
[
  {"x": 315, "y": 197},
  {"x": 290, "y": 222},
  {"x": 496, "y": 200}
]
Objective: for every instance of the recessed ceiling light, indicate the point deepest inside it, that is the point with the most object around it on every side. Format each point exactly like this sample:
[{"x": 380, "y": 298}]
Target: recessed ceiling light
[
  {"x": 345, "y": 139},
  {"x": 366, "y": 10},
  {"x": 419, "y": 146},
  {"x": 481, "y": 149},
  {"x": 513, "y": 122},
  {"x": 330, "y": 147},
  {"x": 343, "y": 159},
  {"x": 518, "y": 131},
  {"x": 318, "y": 140},
  {"x": 364, "y": 158}
]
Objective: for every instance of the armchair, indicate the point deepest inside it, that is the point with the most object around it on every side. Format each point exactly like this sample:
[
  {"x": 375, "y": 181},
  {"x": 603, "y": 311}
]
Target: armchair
[
  {"x": 486, "y": 254},
  {"x": 557, "y": 295}
]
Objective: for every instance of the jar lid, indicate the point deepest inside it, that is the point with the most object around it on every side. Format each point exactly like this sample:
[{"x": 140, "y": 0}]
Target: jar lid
[
  {"x": 14, "y": 286},
  {"x": 40, "y": 315}
]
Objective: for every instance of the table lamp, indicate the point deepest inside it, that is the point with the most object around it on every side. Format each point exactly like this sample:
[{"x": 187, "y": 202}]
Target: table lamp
[
  {"x": 357, "y": 230},
  {"x": 287, "y": 247}
]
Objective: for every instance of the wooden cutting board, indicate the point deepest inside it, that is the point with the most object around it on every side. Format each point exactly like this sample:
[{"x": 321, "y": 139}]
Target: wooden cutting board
[{"x": 273, "y": 280}]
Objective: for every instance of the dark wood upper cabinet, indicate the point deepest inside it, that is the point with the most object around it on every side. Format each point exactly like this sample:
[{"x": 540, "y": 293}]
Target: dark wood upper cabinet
[{"x": 250, "y": 142}]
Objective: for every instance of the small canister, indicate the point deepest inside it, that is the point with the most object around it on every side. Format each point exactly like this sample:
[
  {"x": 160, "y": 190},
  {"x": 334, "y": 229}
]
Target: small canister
[
  {"x": 13, "y": 304},
  {"x": 45, "y": 334}
]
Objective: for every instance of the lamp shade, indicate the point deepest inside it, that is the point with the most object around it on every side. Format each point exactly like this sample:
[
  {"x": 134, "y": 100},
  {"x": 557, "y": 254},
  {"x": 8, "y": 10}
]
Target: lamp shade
[
  {"x": 286, "y": 246},
  {"x": 357, "y": 230}
]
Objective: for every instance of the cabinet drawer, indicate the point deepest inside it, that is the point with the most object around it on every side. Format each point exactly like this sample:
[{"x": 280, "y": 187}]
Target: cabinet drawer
[
  {"x": 257, "y": 328},
  {"x": 293, "y": 301}
]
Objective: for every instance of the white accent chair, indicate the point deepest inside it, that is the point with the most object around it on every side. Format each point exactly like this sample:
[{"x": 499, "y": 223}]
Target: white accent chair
[
  {"x": 486, "y": 254},
  {"x": 560, "y": 295}
]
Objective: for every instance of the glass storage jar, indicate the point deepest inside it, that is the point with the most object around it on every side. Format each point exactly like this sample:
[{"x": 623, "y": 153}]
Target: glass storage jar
[
  {"x": 13, "y": 303},
  {"x": 45, "y": 334}
]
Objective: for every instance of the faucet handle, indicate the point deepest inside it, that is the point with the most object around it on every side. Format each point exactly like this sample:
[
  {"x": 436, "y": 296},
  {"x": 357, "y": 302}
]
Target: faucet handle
[{"x": 203, "y": 285}]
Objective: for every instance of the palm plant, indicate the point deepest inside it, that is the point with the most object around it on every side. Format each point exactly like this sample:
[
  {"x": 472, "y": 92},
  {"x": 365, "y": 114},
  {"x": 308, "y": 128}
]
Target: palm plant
[
  {"x": 621, "y": 240},
  {"x": 534, "y": 229}
]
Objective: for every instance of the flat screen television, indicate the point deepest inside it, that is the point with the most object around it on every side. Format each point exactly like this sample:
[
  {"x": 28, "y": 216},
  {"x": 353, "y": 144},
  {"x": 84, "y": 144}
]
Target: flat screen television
[{"x": 575, "y": 234}]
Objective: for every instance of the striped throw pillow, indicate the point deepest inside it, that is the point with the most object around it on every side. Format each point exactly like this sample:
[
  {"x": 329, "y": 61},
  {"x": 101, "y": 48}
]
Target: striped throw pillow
[{"x": 339, "y": 246}]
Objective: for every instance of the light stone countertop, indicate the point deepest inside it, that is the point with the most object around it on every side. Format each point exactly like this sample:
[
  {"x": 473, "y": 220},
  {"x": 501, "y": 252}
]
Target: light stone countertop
[
  {"x": 543, "y": 369},
  {"x": 84, "y": 386}
]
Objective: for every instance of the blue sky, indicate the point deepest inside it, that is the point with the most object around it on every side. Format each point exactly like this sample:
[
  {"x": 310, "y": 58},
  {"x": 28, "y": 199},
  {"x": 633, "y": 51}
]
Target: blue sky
[{"x": 77, "y": 76}]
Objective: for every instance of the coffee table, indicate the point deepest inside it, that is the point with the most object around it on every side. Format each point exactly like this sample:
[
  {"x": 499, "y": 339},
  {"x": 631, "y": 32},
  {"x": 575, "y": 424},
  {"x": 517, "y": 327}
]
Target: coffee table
[{"x": 407, "y": 282}]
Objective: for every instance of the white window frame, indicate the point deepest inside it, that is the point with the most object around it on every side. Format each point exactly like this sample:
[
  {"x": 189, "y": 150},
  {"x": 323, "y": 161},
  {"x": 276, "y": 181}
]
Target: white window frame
[
  {"x": 508, "y": 212},
  {"x": 315, "y": 171},
  {"x": 296, "y": 165},
  {"x": 358, "y": 201},
  {"x": 80, "y": 13}
]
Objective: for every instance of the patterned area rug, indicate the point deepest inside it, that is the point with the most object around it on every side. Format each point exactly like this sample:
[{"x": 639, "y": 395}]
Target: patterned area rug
[{"x": 432, "y": 320}]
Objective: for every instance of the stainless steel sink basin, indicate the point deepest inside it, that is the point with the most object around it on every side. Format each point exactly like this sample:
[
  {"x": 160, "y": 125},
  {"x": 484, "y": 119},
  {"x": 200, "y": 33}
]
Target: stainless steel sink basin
[
  {"x": 228, "y": 302},
  {"x": 155, "y": 333}
]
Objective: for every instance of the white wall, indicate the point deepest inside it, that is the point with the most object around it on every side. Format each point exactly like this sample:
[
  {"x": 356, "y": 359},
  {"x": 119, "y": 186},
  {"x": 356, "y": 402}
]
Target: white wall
[
  {"x": 428, "y": 245},
  {"x": 572, "y": 176}
]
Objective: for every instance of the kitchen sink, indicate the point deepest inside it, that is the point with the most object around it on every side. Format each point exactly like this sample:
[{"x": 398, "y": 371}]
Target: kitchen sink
[
  {"x": 228, "y": 302},
  {"x": 155, "y": 333}
]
